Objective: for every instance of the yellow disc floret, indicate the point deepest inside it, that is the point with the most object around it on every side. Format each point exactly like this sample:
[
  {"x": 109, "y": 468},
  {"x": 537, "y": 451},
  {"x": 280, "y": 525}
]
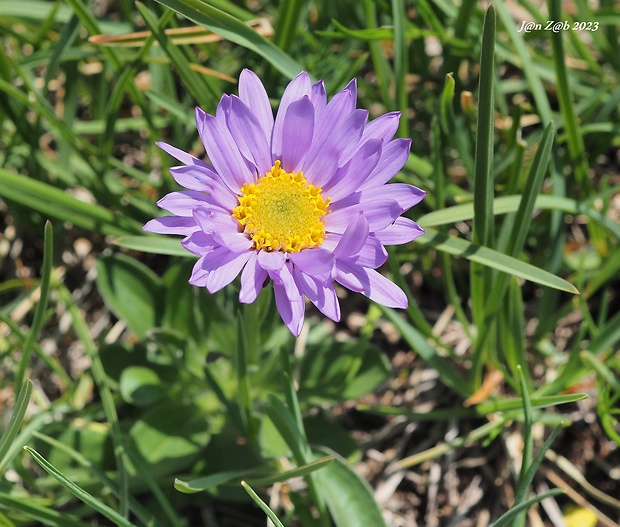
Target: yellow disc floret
[{"x": 281, "y": 211}]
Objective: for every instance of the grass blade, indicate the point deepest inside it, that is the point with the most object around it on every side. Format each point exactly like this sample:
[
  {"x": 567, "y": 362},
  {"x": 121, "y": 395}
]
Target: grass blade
[
  {"x": 576, "y": 147},
  {"x": 56, "y": 203},
  {"x": 234, "y": 30},
  {"x": 34, "y": 511},
  {"x": 270, "y": 514},
  {"x": 107, "y": 399},
  {"x": 483, "y": 174},
  {"x": 508, "y": 516},
  {"x": 380, "y": 63},
  {"x": 494, "y": 259},
  {"x": 528, "y": 447},
  {"x": 400, "y": 65},
  {"x": 483, "y": 183},
  {"x": 78, "y": 492},
  {"x": 40, "y": 308},
  {"x": 288, "y": 21},
  {"x": 507, "y": 204},
  {"x": 201, "y": 90},
  {"x": 17, "y": 418}
]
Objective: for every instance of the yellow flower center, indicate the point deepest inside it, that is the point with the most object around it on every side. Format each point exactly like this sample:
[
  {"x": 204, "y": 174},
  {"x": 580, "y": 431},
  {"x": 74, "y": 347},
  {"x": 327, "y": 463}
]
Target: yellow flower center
[{"x": 281, "y": 211}]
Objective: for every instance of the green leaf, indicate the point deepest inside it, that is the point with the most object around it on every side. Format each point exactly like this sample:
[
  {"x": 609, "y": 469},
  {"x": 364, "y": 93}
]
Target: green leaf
[
  {"x": 494, "y": 259},
  {"x": 339, "y": 371},
  {"x": 154, "y": 244},
  {"x": 348, "y": 497},
  {"x": 234, "y": 30},
  {"x": 131, "y": 290},
  {"x": 221, "y": 478},
  {"x": 170, "y": 436},
  {"x": 210, "y": 481},
  {"x": 141, "y": 386},
  {"x": 323, "y": 429}
]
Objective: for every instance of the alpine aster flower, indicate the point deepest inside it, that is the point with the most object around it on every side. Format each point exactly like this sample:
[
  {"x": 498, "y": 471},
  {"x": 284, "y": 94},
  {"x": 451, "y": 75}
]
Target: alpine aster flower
[{"x": 301, "y": 200}]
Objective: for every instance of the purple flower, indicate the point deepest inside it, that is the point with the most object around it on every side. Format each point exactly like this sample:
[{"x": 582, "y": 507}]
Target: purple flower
[{"x": 301, "y": 200}]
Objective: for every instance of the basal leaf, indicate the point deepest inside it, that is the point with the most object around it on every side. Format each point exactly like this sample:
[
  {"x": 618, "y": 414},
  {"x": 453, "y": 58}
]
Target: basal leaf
[{"x": 131, "y": 290}]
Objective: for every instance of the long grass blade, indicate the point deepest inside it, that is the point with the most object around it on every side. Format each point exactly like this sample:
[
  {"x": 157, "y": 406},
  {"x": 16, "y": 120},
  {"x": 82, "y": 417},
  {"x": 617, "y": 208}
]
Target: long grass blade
[
  {"x": 40, "y": 308},
  {"x": 17, "y": 418},
  {"x": 234, "y": 30},
  {"x": 78, "y": 492},
  {"x": 266, "y": 509},
  {"x": 483, "y": 187}
]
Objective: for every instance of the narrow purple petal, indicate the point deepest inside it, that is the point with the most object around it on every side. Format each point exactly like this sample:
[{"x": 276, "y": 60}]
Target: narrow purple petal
[
  {"x": 248, "y": 136},
  {"x": 383, "y": 128},
  {"x": 229, "y": 267},
  {"x": 223, "y": 108},
  {"x": 224, "y": 154},
  {"x": 323, "y": 158},
  {"x": 384, "y": 291},
  {"x": 372, "y": 255},
  {"x": 199, "y": 243},
  {"x": 212, "y": 220},
  {"x": 393, "y": 158},
  {"x": 403, "y": 230},
  {"x": 253, "y": 94},
  {"x": 379, "y": 216},
  {"x": 322, "y": 295},
  {"x": 341, "y": 105},
  {"x": 252, "y": 280},
  {"x": 317, "y": 261},
  {"x": 354, "y": 237},
  {"x": 348, "y": 178},
  {"x": 193, "y": 177},
  {"x": 297, "y": 131},
  {"x": 296, "y": 89},
  {"x": 318, "y": 96},
  {"x": 405, "y": 195},
  {"x": 235, "y": 241},
  {"x": 371, "y": 284},
  {"x": 271, "y": 261},
  {"x": 184, "y": 202},
  {"x": 346, "y": 274},
  {"x": 289, "y": 300},
  {"x": 182, "y": 156},
  {"x": 222, "y": 196},
  {"x": 171, "y": 225},
  {"x": 198, "y": 277}
]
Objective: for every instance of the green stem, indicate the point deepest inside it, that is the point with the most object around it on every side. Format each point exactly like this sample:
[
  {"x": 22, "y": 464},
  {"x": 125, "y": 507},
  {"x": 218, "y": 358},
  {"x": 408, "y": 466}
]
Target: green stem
[
  {"x": 305, "y": 452},
  {"x": 241, "y": 365},
  {"x": 39, "y": 311}
]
